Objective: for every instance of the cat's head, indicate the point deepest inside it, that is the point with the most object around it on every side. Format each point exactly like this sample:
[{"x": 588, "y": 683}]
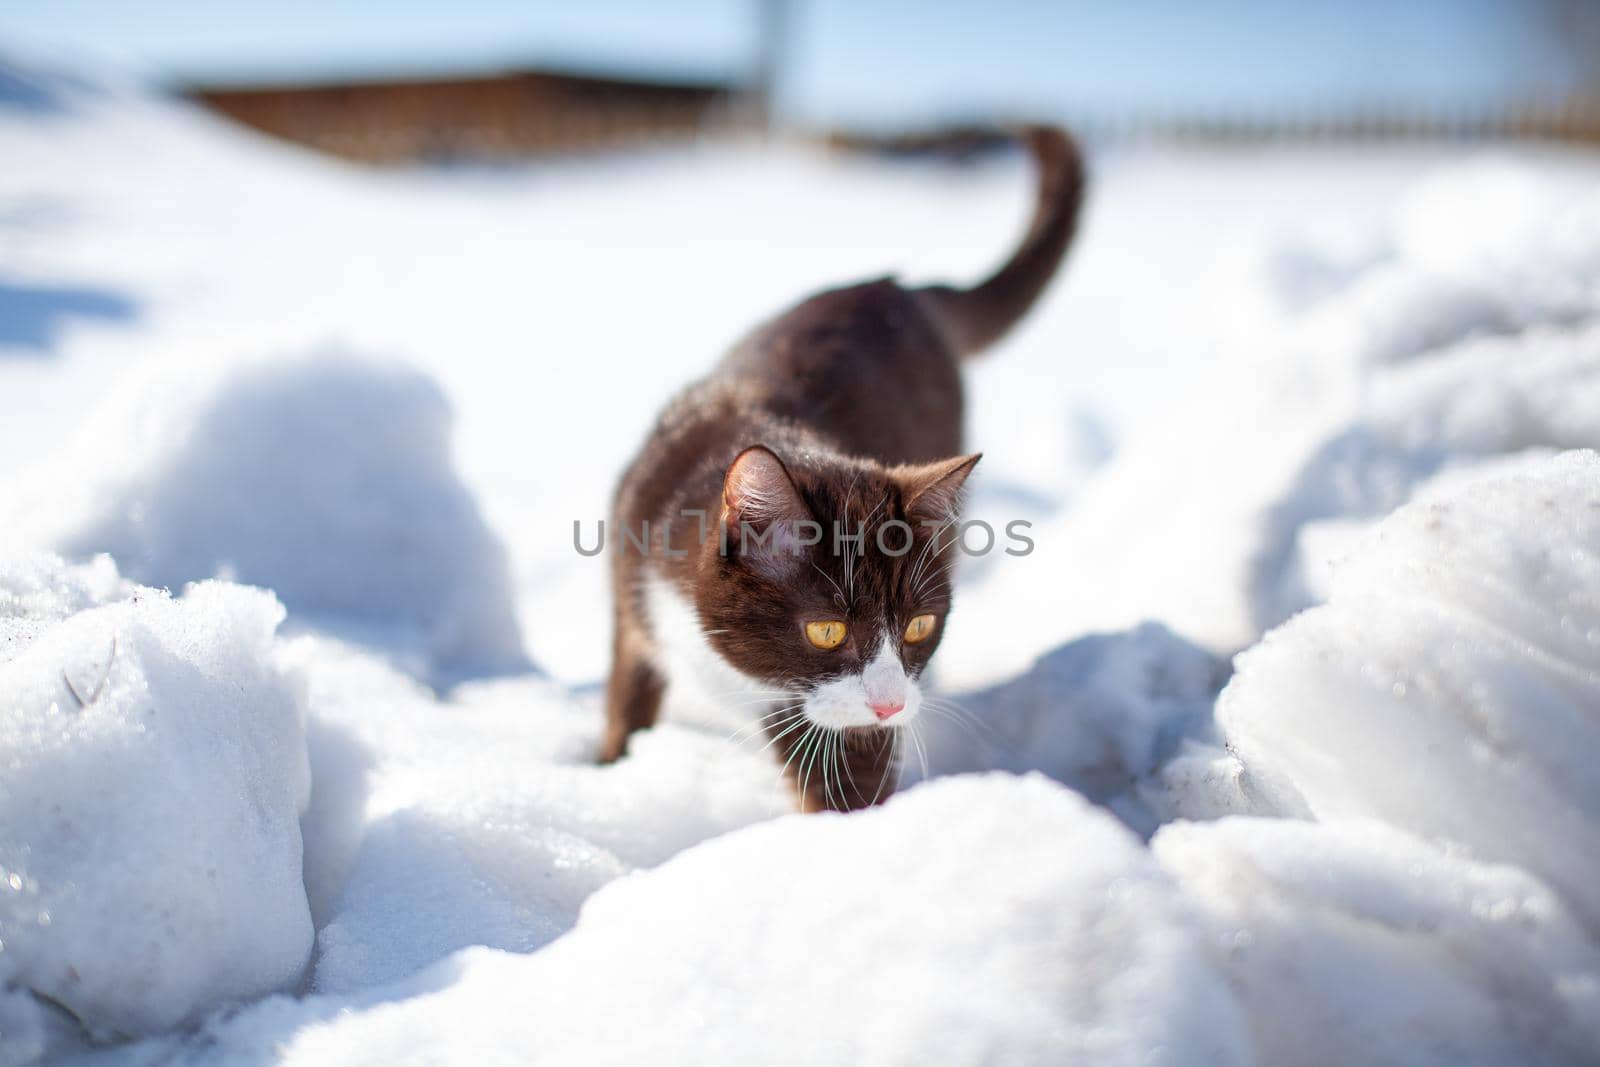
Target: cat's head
[{"x": 830, "y": 580}]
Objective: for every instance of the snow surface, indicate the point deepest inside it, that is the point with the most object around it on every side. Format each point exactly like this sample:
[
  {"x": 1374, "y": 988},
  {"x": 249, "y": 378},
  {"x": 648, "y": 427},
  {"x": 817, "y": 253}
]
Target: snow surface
[
  {"x": 1465, "y": 633},
  {"x": 776, "y": 945},
  {"x": 1354, "y": 941},
  {"x": 1104, "y": 714},
  {"x": 154, "y": 775},
  {"x": 326, "y": 478},
  {"x": 340, "y": 817},
  {"x": 484, "y": 820}
]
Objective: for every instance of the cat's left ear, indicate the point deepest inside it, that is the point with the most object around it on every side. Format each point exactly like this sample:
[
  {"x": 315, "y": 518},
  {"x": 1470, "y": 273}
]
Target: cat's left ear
[
  {"x": 933, "y": 490},
  {"x": 758, "y": 490}
]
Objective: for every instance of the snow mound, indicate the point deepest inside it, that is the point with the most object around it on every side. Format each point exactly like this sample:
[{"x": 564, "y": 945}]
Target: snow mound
[
  {"x": 873, "y": 938},
  {"x": 484, "y": 819},
  {"x": 1451, "y": 684},
  {"x": 327, "y": 479},
  {"x": 1100, "y": 714},
  {"x": 1461, "y": 407},
  {"x": 1357, "y": 943},
  {"x": 1472, "y": 332},
  {"x": 1487, "y": 248},
  {"x": 38, "y": 591},
  {"x": 152, "y": 775}
]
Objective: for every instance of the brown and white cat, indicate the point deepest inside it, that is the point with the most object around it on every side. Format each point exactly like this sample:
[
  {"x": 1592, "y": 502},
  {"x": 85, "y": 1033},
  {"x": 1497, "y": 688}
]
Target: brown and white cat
[{"x": 792, "y": 515}]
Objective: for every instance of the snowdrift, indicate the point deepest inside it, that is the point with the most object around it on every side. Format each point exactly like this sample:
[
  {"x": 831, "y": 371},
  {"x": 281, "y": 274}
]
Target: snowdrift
[
  {"x": 327, "y": 478},
  {"x": 483, "y": 819},
  {"x": 1356, "y": 943},
  {"x": 1447, "y": 413},
  {"x": 867, "y": 939},
  {"x": 152, "y": 774},
  {"x": 1434, "y": 717},
  {"x": 1474, "y": 333},
  {"x": 1451, "y": 685},
  {"x": 1104, "y": 714},
  {"x": 1490, "y": 247}
]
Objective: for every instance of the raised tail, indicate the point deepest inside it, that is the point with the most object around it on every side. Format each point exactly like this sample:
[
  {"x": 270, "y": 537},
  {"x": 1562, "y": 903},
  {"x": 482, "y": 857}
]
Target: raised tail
[{"x": 973, "y": 319}]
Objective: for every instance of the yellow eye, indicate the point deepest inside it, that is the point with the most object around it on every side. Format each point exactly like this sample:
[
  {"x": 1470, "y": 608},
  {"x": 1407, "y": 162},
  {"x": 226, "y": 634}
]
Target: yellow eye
[
  {"x": 827, "y": 634},
  {"x": 919, "y": 628}
]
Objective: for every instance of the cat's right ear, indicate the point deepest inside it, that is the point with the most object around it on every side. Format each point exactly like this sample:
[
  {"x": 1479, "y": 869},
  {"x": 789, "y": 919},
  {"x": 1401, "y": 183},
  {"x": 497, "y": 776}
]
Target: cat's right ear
[{"x": 762, "y": 512}]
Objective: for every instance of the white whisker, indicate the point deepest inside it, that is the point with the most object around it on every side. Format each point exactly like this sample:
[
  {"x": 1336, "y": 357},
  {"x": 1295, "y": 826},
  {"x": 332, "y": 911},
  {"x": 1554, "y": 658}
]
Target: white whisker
[
  {"x": 889, "y": 767},
  {"x": 922, "y": 753},
  {"x": 958, "y": 714},
  {"x": 799, "y": 721},
  {"x": 796, "y": 748},
  {"x": 750, "y": 729}
]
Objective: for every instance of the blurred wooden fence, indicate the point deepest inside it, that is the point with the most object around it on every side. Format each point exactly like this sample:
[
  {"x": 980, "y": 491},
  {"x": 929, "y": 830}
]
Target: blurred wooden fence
[{"x": 1572, "y": 120}]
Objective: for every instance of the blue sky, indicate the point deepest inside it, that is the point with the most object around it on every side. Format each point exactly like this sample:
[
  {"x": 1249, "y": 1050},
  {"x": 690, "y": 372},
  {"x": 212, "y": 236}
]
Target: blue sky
[
  {"x": 868, "y": 60},
  {"x": 292, "y": 38}
]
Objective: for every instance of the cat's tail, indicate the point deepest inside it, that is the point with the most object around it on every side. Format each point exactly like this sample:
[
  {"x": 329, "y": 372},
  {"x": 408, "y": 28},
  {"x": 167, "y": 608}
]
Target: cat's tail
[{"x": 973, "y": 319}]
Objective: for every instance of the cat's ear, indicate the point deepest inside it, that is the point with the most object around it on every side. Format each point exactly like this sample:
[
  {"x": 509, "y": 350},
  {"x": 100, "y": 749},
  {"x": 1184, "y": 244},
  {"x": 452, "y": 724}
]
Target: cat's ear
[
  {"x": 933, "y": 490},
  {"x": 758, "y": 490},
  {"x": 763, "y": 516}
]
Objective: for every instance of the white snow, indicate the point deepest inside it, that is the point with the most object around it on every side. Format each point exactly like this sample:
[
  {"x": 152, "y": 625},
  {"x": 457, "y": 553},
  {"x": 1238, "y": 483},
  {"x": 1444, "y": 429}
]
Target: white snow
[
  {"x": 1466, "y": 342},
  {"x": 483, "y": 820},
  {"x": 326, "y": 477},
  {"x": 1377, "y": 846},
  {"x": 1104, "y": 714},
  {"x": 1356, "y": 937},
  {"x": 1451, "y": 684},
  {"x": 154, "y": 772},
  {"x": 1453, "y": 410},
  {"x": 871, "y": 939}
]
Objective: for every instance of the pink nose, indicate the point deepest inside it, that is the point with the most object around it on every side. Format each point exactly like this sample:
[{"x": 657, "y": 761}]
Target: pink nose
[{"x": 887, "y": 711}]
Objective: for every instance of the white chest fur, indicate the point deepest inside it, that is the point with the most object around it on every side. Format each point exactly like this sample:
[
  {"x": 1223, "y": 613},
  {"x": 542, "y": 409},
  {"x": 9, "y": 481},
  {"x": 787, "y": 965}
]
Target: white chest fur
[{"x": 703, "y": 689}]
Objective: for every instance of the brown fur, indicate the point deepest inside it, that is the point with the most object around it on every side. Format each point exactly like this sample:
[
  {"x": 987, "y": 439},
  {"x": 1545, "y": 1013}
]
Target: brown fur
[{"x": 857, "y": 393}]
